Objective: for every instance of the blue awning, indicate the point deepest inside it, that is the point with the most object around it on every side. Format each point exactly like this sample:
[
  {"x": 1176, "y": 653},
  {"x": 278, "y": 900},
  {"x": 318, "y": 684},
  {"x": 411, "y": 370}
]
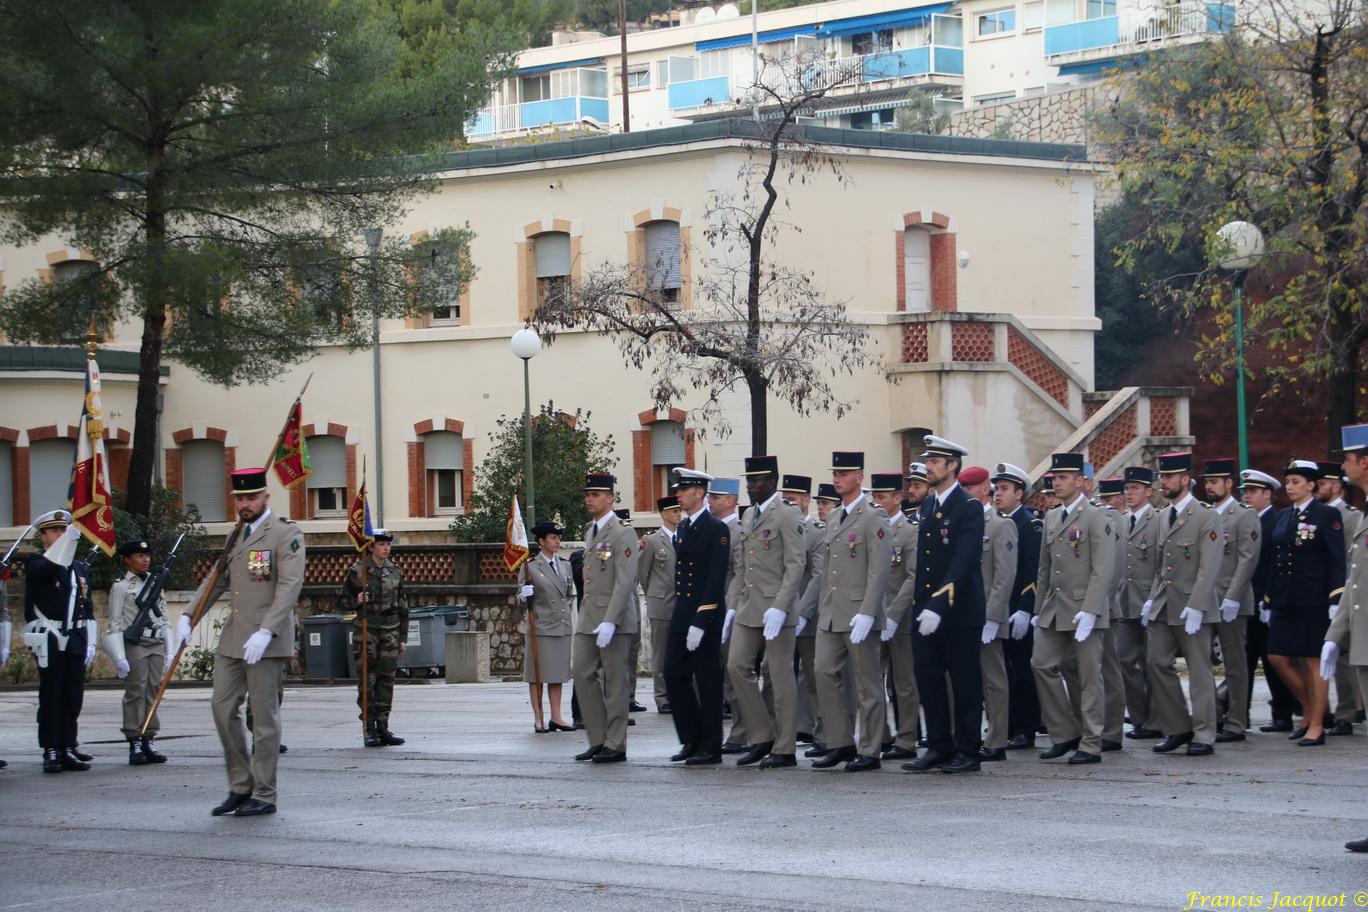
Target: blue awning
[
  {"x": 548, "y": 67},
  {"x": 1110, "y": 64},
  {"x": 906, "y": 18},
  {"x": 718, "y": 44}
]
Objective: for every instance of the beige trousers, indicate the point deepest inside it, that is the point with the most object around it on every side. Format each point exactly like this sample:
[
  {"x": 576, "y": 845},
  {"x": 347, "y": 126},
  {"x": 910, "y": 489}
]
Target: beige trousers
[{"x": 249, "y": 772}]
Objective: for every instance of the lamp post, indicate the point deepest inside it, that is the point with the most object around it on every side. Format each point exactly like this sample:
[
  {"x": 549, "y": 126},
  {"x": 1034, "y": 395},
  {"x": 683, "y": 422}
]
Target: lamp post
[
  {"x": 372, "y": 236},
  {"x": 1239, "y": 245},
  {"x": 525, "y": 344}
]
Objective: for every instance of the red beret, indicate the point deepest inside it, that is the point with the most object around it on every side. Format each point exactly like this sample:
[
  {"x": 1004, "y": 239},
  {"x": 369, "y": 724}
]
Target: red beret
[{"x": 973, "y": 475}]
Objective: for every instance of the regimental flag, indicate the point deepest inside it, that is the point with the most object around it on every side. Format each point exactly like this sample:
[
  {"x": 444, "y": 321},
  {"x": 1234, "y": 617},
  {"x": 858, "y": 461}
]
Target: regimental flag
[
  {"x": 359, "y": 521},
  {"x": 88, "y": 496},
  {"x": 292, "y": 453},
  {"x": 515, "y": 538}
]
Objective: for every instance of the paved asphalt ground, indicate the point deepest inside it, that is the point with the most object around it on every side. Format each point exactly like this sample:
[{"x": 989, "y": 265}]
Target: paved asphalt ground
[{"x": 477, "y": 812}]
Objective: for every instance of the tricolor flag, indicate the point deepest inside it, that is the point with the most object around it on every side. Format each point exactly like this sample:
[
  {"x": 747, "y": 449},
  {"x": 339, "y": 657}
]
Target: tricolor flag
[
  {"x": 88, "y": 495},
  {"x": 359, "y": 527},
  {"x": 292, "y": 453},
  {"x": 515, "y": 538}
]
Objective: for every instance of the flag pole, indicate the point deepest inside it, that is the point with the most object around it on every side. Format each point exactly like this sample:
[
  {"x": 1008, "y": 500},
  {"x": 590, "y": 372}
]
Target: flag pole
[{"x": 364, "y": 608}]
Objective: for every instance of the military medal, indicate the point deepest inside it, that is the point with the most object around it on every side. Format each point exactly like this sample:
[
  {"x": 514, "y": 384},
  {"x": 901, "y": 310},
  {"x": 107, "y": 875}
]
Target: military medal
[
  {"x": 897, "y": 556},
  {"x": 259, "y": 565}
]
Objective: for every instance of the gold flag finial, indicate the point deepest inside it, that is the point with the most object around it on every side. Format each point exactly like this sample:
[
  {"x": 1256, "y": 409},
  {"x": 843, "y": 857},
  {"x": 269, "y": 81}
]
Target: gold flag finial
[{"x": 91, "y": 336}]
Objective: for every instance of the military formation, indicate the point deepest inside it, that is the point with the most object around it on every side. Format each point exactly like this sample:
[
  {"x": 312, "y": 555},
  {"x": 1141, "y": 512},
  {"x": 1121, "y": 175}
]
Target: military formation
[{"x": 935, "y": 593}]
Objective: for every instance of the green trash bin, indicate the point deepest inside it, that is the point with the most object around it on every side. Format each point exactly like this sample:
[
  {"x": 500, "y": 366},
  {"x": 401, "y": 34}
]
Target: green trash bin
[{"x": 426, "y": 650}]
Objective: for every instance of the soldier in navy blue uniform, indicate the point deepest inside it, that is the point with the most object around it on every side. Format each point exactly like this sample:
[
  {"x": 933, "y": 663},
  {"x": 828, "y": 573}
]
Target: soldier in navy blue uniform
[
  {"x": 1023, "y": 718},
  {"x": 1306, "y": 584},
  {"x": 693, "y": 660},
  {"x": 1258, "y": 488},
  {"x": 61, "y": 631},
  {"x": 949, "y": 614}
]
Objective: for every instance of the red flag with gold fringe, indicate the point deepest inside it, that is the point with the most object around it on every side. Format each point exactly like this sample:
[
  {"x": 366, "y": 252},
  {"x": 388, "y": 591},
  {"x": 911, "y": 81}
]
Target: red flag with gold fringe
[{"x": 292, "y": 453}]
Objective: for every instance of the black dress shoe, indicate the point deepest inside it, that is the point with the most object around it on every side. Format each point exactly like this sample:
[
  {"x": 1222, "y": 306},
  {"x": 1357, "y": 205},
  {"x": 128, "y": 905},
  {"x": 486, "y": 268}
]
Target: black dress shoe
[
  {"x": 1020, "y": 742},
  {"x": 1197, "y": 749},
  {"x": 664, "y": 709},
  {"x": 703, "y": 760},
  {"x": 1277, "y": 725},
  {"x": 81, "y": 755},
  {"x": 609, "y": 756},
  {"x": 1058, "y": 750},
  {"x": 1297, "y": 733},
  {"x": 1081, "y": 757},
  {"x": 1144, "y": 734},
  {"x": 1361, "y": 717},
  {"x": 150, "y": 752},
  {"x": 1357, "y": 845},
  {"x": 991, "y": 755},
  {"x": 283, "y": 748},
  {"x": 254, "y": 807},
  {"x": 635, "y": 707},
  {"x": 729, "y": 748},
  {"x": 817, "y": 749},
  {"x": 923, "y": 744},
  {"x": 1312, "y": 742},
  {"x": 71, "y": 763},
  {"x": 962, "y": 763},
  {"x": 1341, "y": 727},
  {"x": 1111, "y": 746},
  {"x": 557, "y": 727},
  {"x": 862, "y": 763},
  {"x": 757, "y": 753},
  {"x": 577, "y": 725},
  {"x": 1227, "y": 736},
  {"x": 835, "y": 756},
  {"x": 52, "y": 763},
  {"x": 589, "y": 754},
  {"x": 631, "y": 721},
  {"x": 684, "y": 753},
  {"x": 928, "y": 761},
  {"x": 539, "y": 731},
  {"x": 778, "y": 761},
  {"x": 230, "y": 804},
  {"x": 1172, "y": 743},
  {"x": 804, "y": 738},
  {"x": 899, "y": 753}
]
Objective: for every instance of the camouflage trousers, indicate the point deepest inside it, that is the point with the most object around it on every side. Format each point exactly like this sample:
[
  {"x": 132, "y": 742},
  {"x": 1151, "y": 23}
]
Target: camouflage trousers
[{"x": 382, "y": 661}]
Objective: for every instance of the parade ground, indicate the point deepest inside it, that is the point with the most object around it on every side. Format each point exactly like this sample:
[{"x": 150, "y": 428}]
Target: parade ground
[{"x": 478, "y": 812}]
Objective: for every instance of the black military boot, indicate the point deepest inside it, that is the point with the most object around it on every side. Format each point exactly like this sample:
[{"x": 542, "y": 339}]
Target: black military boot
[
  {"x": 373, "y": 738},
  {"x": 52, "y": 763},
  {"x": 386, "y": 736},
  {"x": 70, "y": 761},
  {"x": 151, "y": 753},
  {"x": 135, "y": 755}
]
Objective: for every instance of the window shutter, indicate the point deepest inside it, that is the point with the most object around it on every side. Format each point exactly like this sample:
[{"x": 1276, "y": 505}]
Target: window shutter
[
  {"x": 917, "y": 270},
  {"x": 328, "y": 459},
  {"x": 662, "y": 254},
  {"x": 667, "y": 443},
  {"x": 7, "y": 516},
  {"x": 443, "y": 450},
  {"x": 552, "y": 254},
  {"x": 50, "y": 464},
  {"x": 202, "y": 464}
]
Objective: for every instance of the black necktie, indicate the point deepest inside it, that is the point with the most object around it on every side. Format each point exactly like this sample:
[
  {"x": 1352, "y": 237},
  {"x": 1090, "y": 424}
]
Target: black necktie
[
  {"x": 1132, "y": 528},
  {"x": 843, "y": 516},
  {"x": 1173, "y": 516}
]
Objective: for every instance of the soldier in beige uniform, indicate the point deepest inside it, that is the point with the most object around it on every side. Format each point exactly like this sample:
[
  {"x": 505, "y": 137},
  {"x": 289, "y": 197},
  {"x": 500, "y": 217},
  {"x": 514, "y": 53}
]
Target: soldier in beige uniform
[
  {"x": 1240, "y": 530},
  {"x": 998, "y": 563},
  {"x": 1182, "y": 611},
  {"x": 722, "y": 498},
  {"x": 264, "y": 576},
  {"x": 141, "y": 663},
  {"x": 1349, "y": 628},
  {"x": 887, "y": 491},
  {"x": 1140, "y": 529},
  {"x": 548, "y": 593},
  {"x": 1074, "y": 586},
  {"x": 608, "y": 622},
  {"x": 806, "y": 639},
  {"x": 797, "y": 490},
  {"x": 850, "y": 608},
  {"x": 770, "y": 558},
  {"x": 656, "y": 576},
  {"x": 1330, "y": 491},
  {"x": 1113, "y": 682}
]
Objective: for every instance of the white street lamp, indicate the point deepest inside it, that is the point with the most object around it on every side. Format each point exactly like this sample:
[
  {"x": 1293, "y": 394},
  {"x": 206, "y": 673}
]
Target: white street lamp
[{"x": 1239, "y": 245}]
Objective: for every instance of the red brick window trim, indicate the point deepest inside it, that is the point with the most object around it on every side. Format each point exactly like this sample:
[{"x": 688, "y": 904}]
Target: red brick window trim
[{"x": 649, "y": 480}]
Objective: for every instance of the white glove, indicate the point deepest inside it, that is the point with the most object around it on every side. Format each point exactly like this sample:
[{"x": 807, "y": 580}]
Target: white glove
[
  {"x": 183, "y": 631},
  {"x": 990, "y": 632},
  {"x": 1230, "y": 610},
  {"x": 774, "y": 622},
  {"x": 860, "y": 626},
  {"x": 1035, "y": 620},
  {"x": 1192, "y": 620},
  {"x": 255, "y": 647},
  {"x": 90, "y": 650},
  {"x": 63, "y": 550},
  {"x": 166, "y": 666},
  {"x": 1021, "y": 623},
  {"x": 1146, "y": 612},
  {"x": 1329, "y": 656},
  {"x": 1265, "y": 615},
  {"x": 1084, "y": 623},
  {"x": 121, "y": 668},
  {"x": 726, "y": 624},
  {"x": 889, "y": 631},
  {"x": 605, "y": 632},
  {"x": 525, "y": 592},
  {"x": 1334, "y": 610},
  {"x": 927, "y": 622},
  {"x": 802, "y": 622},
  {"x": 694, "y": 638}
]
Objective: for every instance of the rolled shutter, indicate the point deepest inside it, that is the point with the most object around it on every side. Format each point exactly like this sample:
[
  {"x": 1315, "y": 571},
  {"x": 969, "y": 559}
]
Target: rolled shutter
[
  {"x": 443, "y": 450},
  {"x": 552, "y": 253},
  {"x": 662, "y": 254},
  {"x": 50, "y": 464},
  {"x": 667, "y": 443},
  {"x": 7, "y": 516},
  {"x": 202, "y": 465},
  {"x": 328, "y": 460}
]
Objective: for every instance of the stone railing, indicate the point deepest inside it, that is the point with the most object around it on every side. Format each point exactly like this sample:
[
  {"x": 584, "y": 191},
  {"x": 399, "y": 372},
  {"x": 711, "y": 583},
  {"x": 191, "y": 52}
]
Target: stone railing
[{"x": 1127, "y": 427}]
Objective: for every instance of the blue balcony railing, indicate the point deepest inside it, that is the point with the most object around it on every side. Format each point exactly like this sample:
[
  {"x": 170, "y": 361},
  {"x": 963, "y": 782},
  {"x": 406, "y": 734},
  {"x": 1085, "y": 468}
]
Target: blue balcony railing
[
  {"x": 919, "y": 61},
  {"x": 1185, "y": 20},
  {"x": 1082, "y": 36},
  {"x": 699, "y": 92}
]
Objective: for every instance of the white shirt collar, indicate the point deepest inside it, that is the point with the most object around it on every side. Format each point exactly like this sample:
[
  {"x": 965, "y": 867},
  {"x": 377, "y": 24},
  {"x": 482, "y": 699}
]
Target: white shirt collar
[
  {"x": 1265, "y": 509},
  {"x": 1080, "y": 499},
  {"x": 256, "y": 523},
  {"x": 766, "y": 505},
  {"x": 731, "y": 519},
  {"x": 1302, "y": 505},
  {"x": 1336, "y": 503},
  {"x": 1182, "y": 505},
  {"x": 988, "y": 508},
  {"x": 602, "y": 521},
  {"x": 850, "y": 507},
  {"x": 1225, "y": 505},
  {"x": 1140, "y": 513},
  {"x": 693, "y": 517},
  {"x": 940, "y": 498}
]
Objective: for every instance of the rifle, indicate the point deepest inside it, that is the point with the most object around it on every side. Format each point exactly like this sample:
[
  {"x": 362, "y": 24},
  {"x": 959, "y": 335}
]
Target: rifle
[{"x": 148, "y": 600}]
